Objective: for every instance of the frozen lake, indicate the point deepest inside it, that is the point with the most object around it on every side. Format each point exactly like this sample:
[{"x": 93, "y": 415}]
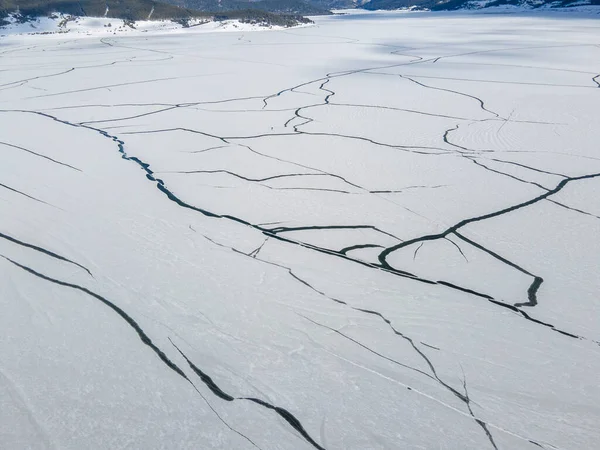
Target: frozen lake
[{"x": 378, "y": 232}]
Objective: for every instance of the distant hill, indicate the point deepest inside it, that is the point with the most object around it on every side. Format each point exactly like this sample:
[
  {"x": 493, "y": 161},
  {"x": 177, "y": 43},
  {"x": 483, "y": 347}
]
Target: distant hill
[
  {"x": 139, "y": 10},
  {"x": 337, "y": 4},
  {"x": 127, "y": 9},
  {"x": 274, "y": 6},
  {"x": 449, "y": 5}
]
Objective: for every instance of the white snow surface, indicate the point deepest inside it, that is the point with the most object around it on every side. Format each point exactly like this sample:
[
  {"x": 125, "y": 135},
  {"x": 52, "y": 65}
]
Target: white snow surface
[{"x": 348, "y": 223}]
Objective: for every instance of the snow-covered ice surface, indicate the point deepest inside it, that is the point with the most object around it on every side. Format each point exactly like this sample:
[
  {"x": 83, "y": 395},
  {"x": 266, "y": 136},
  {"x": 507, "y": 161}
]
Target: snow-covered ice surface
[{"x": 380, "y": 232}]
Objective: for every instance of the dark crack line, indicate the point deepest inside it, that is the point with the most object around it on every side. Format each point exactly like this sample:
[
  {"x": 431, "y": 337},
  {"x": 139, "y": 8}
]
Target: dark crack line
[
  {"x": 261, "y": 180},
  {"x": 400, "y": 191},
  {"x": 120, "y": 85},
  {"x": 521, "y": 180},
  {"x": 523, "y": 67},
  {"x": 528, "y": 317},
  {"x": 134, "y": 325},
  {"x": 206, "y": 379},
  {"x": 481, "y": 423},
  {"x": 274, "y": 177},
  {"x": 26, "y": 195},
  {"x": 40, "y": 155},
  {"x": 285, "y": 414},
  {"x": 289, "y": 418},
  {"x": 330, "y": 227},
  {"x": 418, "y": 149},
  {"x": 573, "y": 209},
  {"x": 384, "y": 266},
  {"x": 277, "y": 222},
  {"x": 202, "y": 133},
  {"x": 37, "y": 78},
  {"x": 480, "y": 164},
  {"x": 523, "y": 83},
  {"x": 391, "y": 108},
  {"x": 246, "y": 110},
  {"x": 345, "y": 250},
  {"x": 331, "y": 93},
  {"x": 76, "y": 91},
  {"x": 219, "y": 416},
  {"x": 254, "y": 253},
  {"x": 340, "y": 74},
  {"x": 325, "y": 102},
  {"x": 462, "y": 94},
  {"x": 43, "y": 250},
  {"x": 535, "y": 285},
  {"x": 457, "y": 247},
  {"x": 396, "y": 52},
  {"x": 137, "y": 116},
  {"x": 505, "y": 122},
  {"x": 141, "y": 105},
  {"x": 111, "y": 106},
  {"x": 13, "y": 86},
  {"x": 383, "y": 256},
  {"x": 434, "y": 376},
  {"x": 508, "y": 306},
  {"x": 550, "y": 153},
  {"x": 467, "y": 290},
  {"x": 529, "y": 167},
  {"x": 297, "y": 115},
  {"x": 464, "y": 398},
  {"x": 172, "y": 107},
  {"x": 445, "y": 139},
  {"x": 430, "y": 346},
  {"x": 171, "y": 196},
  {"x": 225, "y": 139},
  {"x": 267, "y": 232},
  {"x": 417, "y": 250},
  {"x": 478, "y": 52},
  {"x": 339, "y": 191},
  {"x": 335, "y": 253},
  {"x": 209, "y": 149},
  {"x": 308, "y": 120},
  {"x": 345, "y": 336},
  {"x": 319, "y": 171}
]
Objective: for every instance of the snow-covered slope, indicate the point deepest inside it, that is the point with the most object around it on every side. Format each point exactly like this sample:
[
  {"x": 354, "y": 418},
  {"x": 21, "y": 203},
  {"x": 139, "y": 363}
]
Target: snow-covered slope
[
  {"x": 60, "y": 24},
  {"x": 380, "y": 232}
]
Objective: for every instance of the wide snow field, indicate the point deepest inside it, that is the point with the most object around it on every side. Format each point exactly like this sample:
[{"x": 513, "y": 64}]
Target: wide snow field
[{"x": 379, "y": 232}]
